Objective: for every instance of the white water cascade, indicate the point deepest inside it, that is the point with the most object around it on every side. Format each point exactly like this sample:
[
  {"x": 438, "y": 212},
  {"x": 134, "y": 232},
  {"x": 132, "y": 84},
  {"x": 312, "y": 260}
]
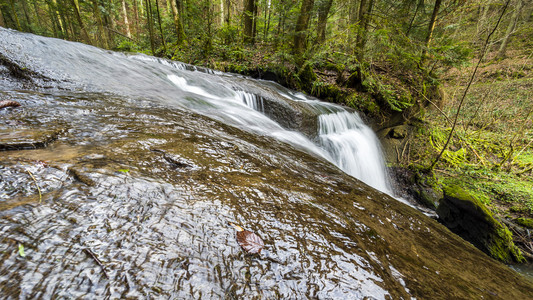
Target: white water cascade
[
  {"x": 354, "y": 148},
  {"x": 342, "y": 136}
]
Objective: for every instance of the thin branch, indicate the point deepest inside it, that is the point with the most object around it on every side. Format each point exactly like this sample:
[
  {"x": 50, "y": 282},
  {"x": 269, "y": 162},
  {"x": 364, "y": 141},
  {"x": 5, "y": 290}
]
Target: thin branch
[
  {"x": 91, "y": 254},
  {"x": 38, "y": 188},
  {"x": 483, "y": 52}
]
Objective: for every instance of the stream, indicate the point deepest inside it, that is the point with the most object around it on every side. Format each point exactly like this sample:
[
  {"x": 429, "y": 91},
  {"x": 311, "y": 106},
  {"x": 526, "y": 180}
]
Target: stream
[{"x": 120, "y": 172}]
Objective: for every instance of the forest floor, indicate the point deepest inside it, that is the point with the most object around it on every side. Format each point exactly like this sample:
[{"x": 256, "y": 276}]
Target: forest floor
[{"x": 491, "y": 154}]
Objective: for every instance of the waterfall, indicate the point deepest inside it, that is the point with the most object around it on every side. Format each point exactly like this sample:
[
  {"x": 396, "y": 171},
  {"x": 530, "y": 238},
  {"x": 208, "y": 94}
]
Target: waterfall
[
  {"x": 354, "y": 148},
  {"x": 349, "y": 143}
]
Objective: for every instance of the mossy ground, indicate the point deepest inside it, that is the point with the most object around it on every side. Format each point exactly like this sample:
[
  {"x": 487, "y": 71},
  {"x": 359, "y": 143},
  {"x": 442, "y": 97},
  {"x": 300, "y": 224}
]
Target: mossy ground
[{"x": 491, "y": 153}]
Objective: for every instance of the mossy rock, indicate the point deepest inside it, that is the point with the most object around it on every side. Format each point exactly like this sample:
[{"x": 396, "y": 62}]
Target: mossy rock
[
  {"x": 526, "y": 222},
  {"x": 306, "y": 77},
  {"x": 469, "y": 218}
]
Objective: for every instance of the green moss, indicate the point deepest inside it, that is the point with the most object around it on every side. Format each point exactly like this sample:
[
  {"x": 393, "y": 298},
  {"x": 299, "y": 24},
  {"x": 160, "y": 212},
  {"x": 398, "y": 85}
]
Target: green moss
[
  {"x": 469, "y": 218},
  {"x": 305, "y": 78},
  {"x": 503, "y": 248},
  {"x": 526, "y": 222}
]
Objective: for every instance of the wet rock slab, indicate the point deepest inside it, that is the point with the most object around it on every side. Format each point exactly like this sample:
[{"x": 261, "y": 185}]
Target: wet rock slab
[
  {"x": 20, "y": 139},
  {"x": 136, "y": 202}
]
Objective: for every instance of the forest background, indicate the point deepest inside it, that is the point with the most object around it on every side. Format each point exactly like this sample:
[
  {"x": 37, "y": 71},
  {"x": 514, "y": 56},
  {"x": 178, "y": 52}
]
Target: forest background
[{"x": 447, "y": 84}]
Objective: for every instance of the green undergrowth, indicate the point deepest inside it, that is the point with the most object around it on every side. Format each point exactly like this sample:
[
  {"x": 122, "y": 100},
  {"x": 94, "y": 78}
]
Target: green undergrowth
[{"x": 491, "y": 152}]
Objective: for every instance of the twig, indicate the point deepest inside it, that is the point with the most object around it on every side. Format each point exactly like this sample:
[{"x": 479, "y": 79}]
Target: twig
[
  {"x": 483, "y": 52},
  {"x": 38, "y": 188},
  {"x": 91, "y": 254}
]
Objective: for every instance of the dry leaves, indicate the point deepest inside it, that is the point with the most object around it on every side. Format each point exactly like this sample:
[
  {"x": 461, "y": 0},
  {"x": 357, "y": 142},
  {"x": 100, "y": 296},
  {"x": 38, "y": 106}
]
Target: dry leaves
[{"x": 250, "y": 242}]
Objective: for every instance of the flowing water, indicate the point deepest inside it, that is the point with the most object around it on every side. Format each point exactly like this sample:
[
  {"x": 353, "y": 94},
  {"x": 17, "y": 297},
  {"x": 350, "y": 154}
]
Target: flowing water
[{"x": 120, "y": 174}]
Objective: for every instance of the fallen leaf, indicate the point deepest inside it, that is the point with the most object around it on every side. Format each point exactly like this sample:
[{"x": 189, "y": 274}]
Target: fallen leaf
[
  {"x": 21, "y": 250},
  {"x": 250, "y": 242},
  {"x": 8, "y": 103}
]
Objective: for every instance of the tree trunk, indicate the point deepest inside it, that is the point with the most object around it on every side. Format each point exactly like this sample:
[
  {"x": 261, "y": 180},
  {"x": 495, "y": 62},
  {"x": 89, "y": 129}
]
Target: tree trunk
[
  {"x": 354, "y": 12},
  {"x": 418, "y": 7},
  {"x": 150, "y": 23},
  {"x": 2, "y": 23},
  {"x": 248, "y": 16},
  {"x": 101, "y": 30},
  {"x": 510, "y": 29},
  {"x": 323, "y": 12},
  {"x": 14, "y": 14},
  {"x": 84, "y": 34},
  {"x": 27, "y": 16},
  {"x": 126, "y": 21},
  {"x": 432, "y": 22},
  {"x": 227, "y": 12},
  {"x": 302, "y": 24},
  {"x": 55, "y": 26},
  {"x": 268, "y": 14},
  {"x": 35, "y": 8},
  {"x": 365, "y": 12},
  {"x": 160, "y": 26},
  {"x": 136, "y": 21},
  {"x": 178, "y": 26}
]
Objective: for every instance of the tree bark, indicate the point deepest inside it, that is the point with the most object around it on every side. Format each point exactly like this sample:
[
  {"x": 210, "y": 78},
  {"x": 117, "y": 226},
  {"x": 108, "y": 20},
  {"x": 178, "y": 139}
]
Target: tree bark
[
  {"x": 302, "y": 24},
  {"x": 160, "y": 26},
  {"x": 101, "y": 28},
  {"x": 150, "y": 23},
  {"x": 126, "y": 20},
  {"x": 510, "y": 29},
  {"x": 84, "y": 33},
  {"x": 15, "y": 17},
  {"x": 2, "y": 23},
  {"x": 323, "y": 13},
  {"x": 27, "y": 16},
  {"x": 250, "y": 10},
  {"x": 178, "y": 25},
  {"x": 354, "y": 12},
  {"x": 432, "y": 22},
  {"x": 227, "y": 12},
  {"x": 365, "y": 12}
]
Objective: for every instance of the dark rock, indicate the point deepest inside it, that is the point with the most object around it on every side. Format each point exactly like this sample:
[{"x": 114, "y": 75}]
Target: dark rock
[
  {"x": 469, "y": 218},
  {"x": 398, "y": 132}
]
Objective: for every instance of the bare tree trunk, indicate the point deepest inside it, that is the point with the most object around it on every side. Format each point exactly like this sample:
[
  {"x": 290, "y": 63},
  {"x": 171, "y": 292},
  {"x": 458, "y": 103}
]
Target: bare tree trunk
[
  {"x": 84, "y": 34},
  {"x": 365, "y": 12},
  {"x": 354, "y": 12},
  {"x": 267, "y": 18},
  {"x": 248, "y": 17},
  {"x": 323, "y": 12},
  {"x": 418, "y": 7},
  {"x": 36, "y": 9},
  {"x": 178, "y": 26},
  {"x": 136, "y": 21},
  {"x": 432, "y": 22},
  {"x": 15, "y": 17},
  {"x": 149, "y": 20},
  {"x": 227, "y": 12},
  {"x": 510, "y": 29},
  {"x": 27, "y": 16},
  {"x": 302, "y": 24},
  {"x": 101, "y": 28},
  {"x": 2, "y": 23},
  {"x": 126, "y": 21},
  {"x": 160, "y": 26}
]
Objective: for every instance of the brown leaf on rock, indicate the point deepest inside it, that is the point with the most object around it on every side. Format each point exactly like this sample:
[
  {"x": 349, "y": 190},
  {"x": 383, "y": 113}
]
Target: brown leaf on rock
[
  {"x": 250, "y": 242},
  {"x": 8, "y": 103}
]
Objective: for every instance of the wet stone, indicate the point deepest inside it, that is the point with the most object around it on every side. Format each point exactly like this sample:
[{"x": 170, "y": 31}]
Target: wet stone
[{"x": 20, "y": 139}]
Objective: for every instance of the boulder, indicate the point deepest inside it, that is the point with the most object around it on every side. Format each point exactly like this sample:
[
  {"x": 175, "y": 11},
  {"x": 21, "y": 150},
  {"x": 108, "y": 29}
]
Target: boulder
[{"x": 466, "y": 216}]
